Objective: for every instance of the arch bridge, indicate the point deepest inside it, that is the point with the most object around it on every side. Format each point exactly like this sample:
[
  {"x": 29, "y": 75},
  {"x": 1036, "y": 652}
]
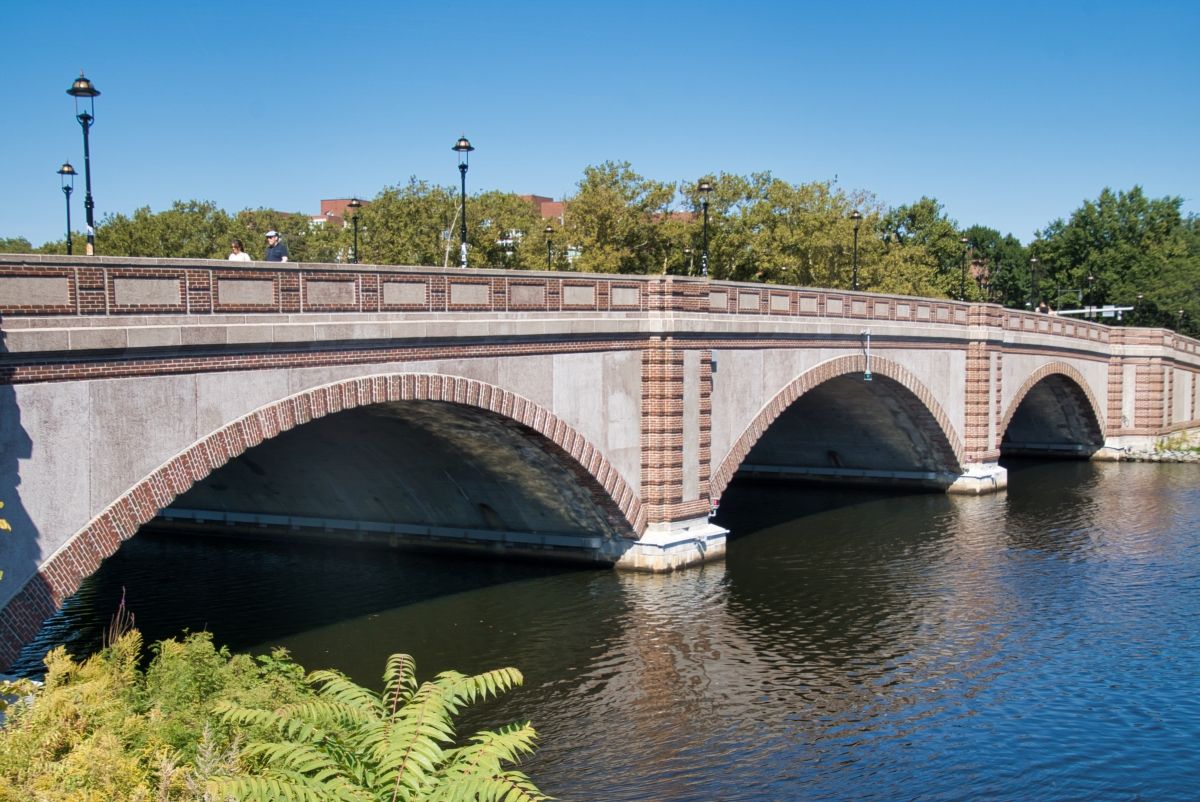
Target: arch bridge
[{"x": 593, "y": 417}]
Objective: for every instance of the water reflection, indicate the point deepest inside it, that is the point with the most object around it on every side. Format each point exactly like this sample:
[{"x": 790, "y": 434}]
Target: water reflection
[{"x": 853, "y": 645}]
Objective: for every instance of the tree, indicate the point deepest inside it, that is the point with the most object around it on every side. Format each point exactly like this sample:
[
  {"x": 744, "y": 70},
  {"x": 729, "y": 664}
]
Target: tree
[
  {"x": 1121, "y": 246},
  {"x": 414, "y": 224},
  {"x": 1001, "y": 266},
  {"x": 612, "y": 221},
  {"x": 938, "y": 254},
  {"x": 504, "y": 231},
  {"x": 189, "y": 230},
  {"x": 352, "y": 744},
  {"x": 15, "y": 245}
]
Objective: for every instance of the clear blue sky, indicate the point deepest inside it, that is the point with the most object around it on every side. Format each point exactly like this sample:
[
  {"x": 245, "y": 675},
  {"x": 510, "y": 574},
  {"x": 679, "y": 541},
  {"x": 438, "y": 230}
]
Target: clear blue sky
[{"x": 1010, "y": 114}]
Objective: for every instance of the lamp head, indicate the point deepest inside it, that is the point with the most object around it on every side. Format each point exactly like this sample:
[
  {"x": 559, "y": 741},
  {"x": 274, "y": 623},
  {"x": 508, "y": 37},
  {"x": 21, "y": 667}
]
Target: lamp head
[
  {"x": 462, "y": 147},
  {"x": 83, "y": 88}
]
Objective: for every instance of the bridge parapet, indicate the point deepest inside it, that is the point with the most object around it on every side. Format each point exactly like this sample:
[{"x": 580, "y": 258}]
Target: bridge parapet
[{"x": 44, "y": 286}]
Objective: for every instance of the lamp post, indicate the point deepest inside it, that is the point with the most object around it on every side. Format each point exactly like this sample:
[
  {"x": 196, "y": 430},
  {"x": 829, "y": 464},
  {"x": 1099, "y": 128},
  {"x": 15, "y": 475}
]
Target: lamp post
[
  {"x": 856, "y": 217},
  {"x": 354, "y": 204},
  {"x": 83, "y": 88},
  {"x": 549, "y": 233},
  {"x": 705, "y": 188},
  {"x": 1033, "y": 281},
  {"x": 463, "y": 148},
  {"x": 1091, "y": 297},
  {"x": 67, "y": 175},
  {"x": 687, "y": 253},
  {"x": 962, "y": 279}
]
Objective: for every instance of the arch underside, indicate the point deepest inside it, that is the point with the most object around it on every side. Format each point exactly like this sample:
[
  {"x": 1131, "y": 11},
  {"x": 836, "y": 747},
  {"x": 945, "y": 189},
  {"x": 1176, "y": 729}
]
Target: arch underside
[
  {"x": 851, "y": 430},
  {"x": 410, "y": 471},
  {"x": 1055, "y": 418}
]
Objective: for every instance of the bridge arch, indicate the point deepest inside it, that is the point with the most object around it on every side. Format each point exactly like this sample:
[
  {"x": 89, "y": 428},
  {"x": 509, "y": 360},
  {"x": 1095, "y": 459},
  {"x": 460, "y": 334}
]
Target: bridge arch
[
  {"x": 1054, "y": 411},
  {"x": 61, "y": 574},
  {"x": 925, "y": 413}
]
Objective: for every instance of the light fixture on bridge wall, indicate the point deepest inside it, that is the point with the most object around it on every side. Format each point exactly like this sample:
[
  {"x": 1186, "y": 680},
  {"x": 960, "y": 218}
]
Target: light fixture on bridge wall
[
  {"x": 705, "y": 189},
  {"x": 463, "y": 148},
  {"x": 83, "y": 88},
  {"x": 66, "y": 177},
  {"x": 856, "y": 218},
  {"x": 549, "y": 230},
  {"x": 355, "y": 204}
]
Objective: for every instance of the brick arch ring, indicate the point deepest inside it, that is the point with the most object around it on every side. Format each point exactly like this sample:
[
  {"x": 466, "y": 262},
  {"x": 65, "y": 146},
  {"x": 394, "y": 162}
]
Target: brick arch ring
[
  {"x": 819, "y": 374},
  {"x": 1045, "y": 371},
  {"x": 82, "y": 554}
]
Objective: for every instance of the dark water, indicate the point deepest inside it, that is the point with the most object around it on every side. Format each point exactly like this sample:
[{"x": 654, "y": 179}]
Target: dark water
[{"x": 1040, "y": 644}]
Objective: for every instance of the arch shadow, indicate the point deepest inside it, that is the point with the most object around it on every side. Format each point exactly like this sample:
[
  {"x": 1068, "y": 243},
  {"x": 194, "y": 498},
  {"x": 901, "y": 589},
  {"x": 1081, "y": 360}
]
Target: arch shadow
[
  {"x": 1053, "y": 414},
  {"x": 893, "y": 392},
  {"x": 19, "y": 547},
  {"x": 60, "y": 576}
]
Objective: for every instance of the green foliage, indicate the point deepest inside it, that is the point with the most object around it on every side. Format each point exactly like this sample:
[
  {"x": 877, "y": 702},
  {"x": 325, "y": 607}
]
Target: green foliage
[
  {"x": 928, "y": 245},
  {"x": 102, "y": 729},
  {"x": 611, "y": 222},
  {"x": 1123, "y": 248},
  {"x": 201, "y": 724},
  {"x": 15, "y": 245},
  {"x": 1129, "y": 250},
  {"x": 352, "y": 744}
]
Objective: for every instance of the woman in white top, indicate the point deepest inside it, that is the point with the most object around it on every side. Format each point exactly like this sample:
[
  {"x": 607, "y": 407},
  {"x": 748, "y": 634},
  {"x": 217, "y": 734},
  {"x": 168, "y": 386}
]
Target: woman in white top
[{"x": 238, "y": 254}]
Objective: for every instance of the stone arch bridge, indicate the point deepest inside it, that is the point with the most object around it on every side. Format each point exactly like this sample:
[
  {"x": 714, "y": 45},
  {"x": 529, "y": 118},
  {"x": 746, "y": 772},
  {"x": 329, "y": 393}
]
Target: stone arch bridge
[{"x": 586, "y": 416}]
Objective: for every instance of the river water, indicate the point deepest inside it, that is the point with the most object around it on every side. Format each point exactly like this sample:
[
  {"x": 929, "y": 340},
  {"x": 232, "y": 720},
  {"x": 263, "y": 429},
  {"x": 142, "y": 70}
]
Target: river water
[{"x": 853, "y": 645}]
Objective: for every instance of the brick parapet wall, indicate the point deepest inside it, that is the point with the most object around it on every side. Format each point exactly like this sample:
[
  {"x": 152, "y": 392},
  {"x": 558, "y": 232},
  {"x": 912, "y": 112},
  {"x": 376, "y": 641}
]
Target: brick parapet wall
[{"x": 88, "y": 286}]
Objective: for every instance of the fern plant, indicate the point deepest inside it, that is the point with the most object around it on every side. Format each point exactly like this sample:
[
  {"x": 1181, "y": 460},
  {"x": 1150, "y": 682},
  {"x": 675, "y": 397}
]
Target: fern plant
[{"x": 354, "y": 745}]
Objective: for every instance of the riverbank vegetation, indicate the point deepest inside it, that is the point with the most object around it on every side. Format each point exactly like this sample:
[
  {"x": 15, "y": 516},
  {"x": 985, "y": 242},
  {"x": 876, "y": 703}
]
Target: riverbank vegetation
[
  {"x": 1122, "y": 248},
  {"x": 198, "y": 723}
]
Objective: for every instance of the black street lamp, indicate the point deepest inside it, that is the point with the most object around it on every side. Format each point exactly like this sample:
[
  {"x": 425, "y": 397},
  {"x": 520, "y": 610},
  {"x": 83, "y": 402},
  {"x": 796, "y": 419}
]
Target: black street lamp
[
  {"x": 1033, "y": 281},
  {"x": 549, "y": 233},
  {"x": 463, "y": 148},
  {"x": 962, "y": 279},
  {"x": 688, "y": 253},
  {"x": 354, "y": 204},
  {"x": 83, "y": 88},
  {"x": 856, "y": 217},
  {"x": 705, "y": 188},
  {"x": 1091, "y": 297},
  {"x": 67, "y": 175}
]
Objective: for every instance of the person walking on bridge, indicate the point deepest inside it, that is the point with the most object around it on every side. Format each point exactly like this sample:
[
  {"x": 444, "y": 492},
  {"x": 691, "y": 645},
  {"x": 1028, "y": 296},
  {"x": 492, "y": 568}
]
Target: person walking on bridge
[{"x": 277, "y": 250}]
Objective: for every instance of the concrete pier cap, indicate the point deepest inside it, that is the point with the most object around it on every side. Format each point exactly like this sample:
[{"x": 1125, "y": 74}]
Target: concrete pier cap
[
  {"x": 673, "y": 545},
  {"x": 980, "y": 478}
]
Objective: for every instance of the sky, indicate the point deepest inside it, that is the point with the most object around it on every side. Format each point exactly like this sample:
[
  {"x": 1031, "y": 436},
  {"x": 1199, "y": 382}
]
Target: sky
[{"x": 1010, "y": 115}]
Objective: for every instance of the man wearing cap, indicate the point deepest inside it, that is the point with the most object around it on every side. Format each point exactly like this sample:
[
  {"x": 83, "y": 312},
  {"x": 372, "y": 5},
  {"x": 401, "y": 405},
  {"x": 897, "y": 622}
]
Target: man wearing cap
[{"x": 276, "y": 248}]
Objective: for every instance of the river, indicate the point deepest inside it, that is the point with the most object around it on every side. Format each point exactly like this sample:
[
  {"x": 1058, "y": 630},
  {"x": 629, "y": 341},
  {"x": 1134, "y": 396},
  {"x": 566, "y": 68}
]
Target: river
[{"x": 853, "y": 645}]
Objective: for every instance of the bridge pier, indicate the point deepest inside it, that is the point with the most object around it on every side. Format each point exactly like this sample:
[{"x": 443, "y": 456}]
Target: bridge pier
[
  {"x": 979, "y": 479},
  {"x": 675, "y": 544}
]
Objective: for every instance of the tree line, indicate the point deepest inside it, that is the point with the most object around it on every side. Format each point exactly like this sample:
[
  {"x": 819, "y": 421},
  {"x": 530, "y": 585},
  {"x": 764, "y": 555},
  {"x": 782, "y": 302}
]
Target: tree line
[{"x": 1123, "y": 248}]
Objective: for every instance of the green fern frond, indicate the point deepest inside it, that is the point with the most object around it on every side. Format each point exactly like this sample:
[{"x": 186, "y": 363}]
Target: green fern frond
[
  {"x": 281, "y": 786},
  {"x": 399, "y": 681},
  {"x": 393, "y": 747},
  {"x": 337, "y": 686},
  {"x": 508, "y": 786}
]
